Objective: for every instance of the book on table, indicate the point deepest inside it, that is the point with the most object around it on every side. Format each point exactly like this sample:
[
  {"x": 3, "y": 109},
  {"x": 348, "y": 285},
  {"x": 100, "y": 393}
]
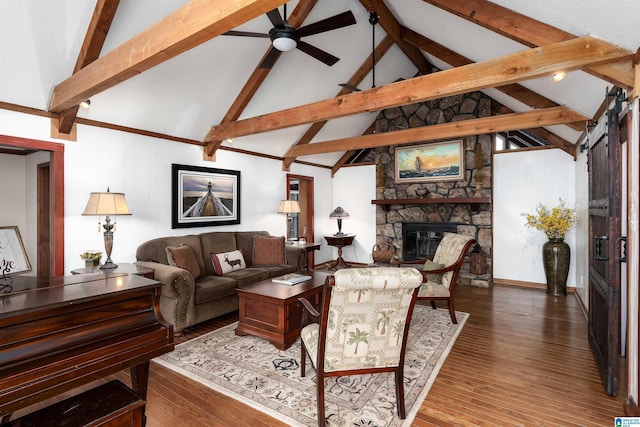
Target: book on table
[{"x": 291, "y": 279}]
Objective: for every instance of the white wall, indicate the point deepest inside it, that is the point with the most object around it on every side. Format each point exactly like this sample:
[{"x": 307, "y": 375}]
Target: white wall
[
  {"x": 521, "y": 181},
  {"x": 140, "y": 167},
  {"x": 12, "y": 191},
  {"x": 353, "y": 190}
]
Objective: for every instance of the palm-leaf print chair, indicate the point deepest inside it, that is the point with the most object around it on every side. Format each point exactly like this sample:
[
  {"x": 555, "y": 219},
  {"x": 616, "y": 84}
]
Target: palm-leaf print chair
[
  {"x": 440, "y": 275},
  {"x": 362, "y": 326}
]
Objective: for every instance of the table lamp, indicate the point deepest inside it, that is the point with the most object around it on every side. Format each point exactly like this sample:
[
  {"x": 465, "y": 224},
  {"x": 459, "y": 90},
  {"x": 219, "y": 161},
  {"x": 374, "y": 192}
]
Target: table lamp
[
  {"x": 107, "y": 204},
  {"x": 289, "y": 207},
  {"x": 339, "y": 213}
]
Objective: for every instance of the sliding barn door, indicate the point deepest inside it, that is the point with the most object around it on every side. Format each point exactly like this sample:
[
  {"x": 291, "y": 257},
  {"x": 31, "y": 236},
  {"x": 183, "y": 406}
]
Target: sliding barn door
[{"x": 604, "y": 263}]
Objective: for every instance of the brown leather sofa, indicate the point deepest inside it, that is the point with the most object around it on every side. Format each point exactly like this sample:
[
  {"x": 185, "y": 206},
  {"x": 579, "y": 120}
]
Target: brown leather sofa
[{"x": 188, "y": 300}]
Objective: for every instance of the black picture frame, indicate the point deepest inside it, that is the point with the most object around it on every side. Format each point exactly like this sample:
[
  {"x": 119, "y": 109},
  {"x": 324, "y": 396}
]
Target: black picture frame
[{"x": 204, "y": 197}]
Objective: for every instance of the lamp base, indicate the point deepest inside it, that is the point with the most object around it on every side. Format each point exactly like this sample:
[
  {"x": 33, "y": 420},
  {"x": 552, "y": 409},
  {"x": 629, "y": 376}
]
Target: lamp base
[
  {"x": 339, "y": 233},
  {"x": 108, "y": 265}
]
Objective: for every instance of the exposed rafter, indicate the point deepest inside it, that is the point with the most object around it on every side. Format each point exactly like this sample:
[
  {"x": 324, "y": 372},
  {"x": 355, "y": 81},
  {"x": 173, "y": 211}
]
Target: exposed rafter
[
  {"x": 391, "y": 26},
  {"x": 530, "y": 32},
  {"x": 256, "y": 79},
  {"x": 492, "y": 124},
  {"x": 538, "y": 62},
  {"x": 94, "y": 39},
  {"x": 347, "y": 155},
  {"x": 355, "y": 80},
  {"x": 191, "y": 25},
  {"x": 516, "y": 91}
]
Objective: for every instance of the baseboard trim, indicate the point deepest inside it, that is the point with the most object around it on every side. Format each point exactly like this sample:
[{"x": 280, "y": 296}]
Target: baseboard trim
[{"x": 526, "y": 285}]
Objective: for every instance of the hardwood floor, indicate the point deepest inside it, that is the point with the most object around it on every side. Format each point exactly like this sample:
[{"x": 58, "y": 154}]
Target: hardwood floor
[{"x": 522, "y": 359}]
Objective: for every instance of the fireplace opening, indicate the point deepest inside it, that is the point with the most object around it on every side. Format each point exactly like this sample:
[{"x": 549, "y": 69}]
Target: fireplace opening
[{"x": 420, "y": 239}]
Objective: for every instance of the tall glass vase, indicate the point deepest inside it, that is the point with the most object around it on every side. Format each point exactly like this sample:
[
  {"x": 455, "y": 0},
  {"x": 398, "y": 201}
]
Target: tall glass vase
[{"x": 556, "y": 256}]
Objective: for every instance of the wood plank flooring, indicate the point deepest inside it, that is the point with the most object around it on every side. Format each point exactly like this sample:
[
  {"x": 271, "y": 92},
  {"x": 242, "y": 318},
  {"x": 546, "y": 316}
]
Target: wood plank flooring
[{"x": 522, "y": 359}]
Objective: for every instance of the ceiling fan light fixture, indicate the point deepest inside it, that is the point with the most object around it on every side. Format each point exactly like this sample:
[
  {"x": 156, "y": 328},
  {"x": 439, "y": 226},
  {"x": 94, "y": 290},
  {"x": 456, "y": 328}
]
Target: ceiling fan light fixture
[{"x": 284, "y": 41}]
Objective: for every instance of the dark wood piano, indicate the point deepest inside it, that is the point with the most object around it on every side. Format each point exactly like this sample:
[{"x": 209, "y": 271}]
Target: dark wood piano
[{"x": 59, "y": 333}]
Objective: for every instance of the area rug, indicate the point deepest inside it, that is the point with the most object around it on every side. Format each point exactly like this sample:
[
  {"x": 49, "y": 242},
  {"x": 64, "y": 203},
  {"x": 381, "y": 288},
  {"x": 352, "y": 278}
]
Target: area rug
[{"x": 254, "y": 372}]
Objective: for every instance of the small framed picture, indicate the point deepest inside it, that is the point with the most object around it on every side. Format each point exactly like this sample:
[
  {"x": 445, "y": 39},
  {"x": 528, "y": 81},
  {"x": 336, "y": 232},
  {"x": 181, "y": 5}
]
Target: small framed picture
[{"x": 13, "y": 257}]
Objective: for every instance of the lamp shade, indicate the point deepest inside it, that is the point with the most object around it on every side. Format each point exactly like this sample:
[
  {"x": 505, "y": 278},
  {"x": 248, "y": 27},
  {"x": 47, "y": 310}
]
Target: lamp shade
[
  {"x": 106, "y": 204},
  {"x": 339, "y": 213},
  {"x": 289, "y": 206}
]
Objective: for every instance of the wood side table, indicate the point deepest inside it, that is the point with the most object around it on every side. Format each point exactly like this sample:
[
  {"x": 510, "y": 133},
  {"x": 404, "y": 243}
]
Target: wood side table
[
  {"x": 339, "y": 242},
  {"x": 123, "y": 267},
  {"x": 270, "y": 310}
]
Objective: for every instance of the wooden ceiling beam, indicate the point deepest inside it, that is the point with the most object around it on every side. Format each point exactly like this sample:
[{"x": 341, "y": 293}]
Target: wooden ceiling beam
[
  {"x": 354, "y": 81},
  {"x": 485, "y": 125},
  {"x": 530, "y": 32},
  {"x": 347, "y": 155},
  {"x": 99, "y": 25},
  {"x": 296, "y": 19},
  {"x": 392, "y": 27},
  {"x": 193, "y": 24},
  {"x": 516, "y": 91},
  {"x": 529, "y": 64},
  {"x": 543, "y": 133}
]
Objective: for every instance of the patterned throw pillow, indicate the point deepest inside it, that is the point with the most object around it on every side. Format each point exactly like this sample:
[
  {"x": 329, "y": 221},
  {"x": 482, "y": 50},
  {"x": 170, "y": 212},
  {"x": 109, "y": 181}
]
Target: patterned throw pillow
[
  {"x": 268, "y": 250},
  {"x": 227, "y": 261},
  {"x": 182, "y": 256},
  {"x": 430, "y": 265}
]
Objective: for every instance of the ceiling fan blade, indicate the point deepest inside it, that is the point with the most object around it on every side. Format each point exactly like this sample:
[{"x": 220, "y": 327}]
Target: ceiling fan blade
[
  {"x": 270, "y": 58},
  {"x": 349, "y": 87},
  {"x": 276, "y": 18},
  {"x": 337, "y": 21},
  {"x": 319, "y": 54},
  {"x": 245, "y": 34}
]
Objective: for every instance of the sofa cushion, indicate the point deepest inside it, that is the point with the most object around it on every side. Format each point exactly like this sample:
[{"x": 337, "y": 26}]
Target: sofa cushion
[
  {"x": 182, "y": 256},
  {"x": 278, "y": 269},
  {"x": 244, "y": 242},
  {"x": 268, "y": 251},
  {"x": 248, "y": 276},
  {"x": 211, "y": 288},
  {"x": 430, "y": 265},
  {"x": 216, "y": 242},
  {"x": 228, "y": 261},
  {"x": 155, "y": 250}
]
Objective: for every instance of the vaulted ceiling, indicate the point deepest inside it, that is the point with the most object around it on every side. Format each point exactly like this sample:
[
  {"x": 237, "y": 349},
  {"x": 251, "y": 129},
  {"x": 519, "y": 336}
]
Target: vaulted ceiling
[{"x": 166, "y": 69}]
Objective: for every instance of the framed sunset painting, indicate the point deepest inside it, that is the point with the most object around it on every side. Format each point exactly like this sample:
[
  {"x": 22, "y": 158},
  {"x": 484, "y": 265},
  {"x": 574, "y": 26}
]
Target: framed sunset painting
[{"x": 439, "y": 161}]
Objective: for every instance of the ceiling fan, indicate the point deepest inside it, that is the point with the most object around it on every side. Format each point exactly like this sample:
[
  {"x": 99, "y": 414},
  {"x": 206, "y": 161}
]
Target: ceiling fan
[
  {"x": 285, "y": 38},
  {"x": 373, "y": 20}
]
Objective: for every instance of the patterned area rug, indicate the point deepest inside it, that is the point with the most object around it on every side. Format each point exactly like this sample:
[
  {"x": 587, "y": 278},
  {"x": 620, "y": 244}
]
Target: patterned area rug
[{"x": 254, "y": 372}]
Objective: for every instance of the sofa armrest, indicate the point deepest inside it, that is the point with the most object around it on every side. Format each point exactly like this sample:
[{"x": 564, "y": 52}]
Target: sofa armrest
[
  {"x": 296, "y": 256},
  {"x": 177, "y": 294}
]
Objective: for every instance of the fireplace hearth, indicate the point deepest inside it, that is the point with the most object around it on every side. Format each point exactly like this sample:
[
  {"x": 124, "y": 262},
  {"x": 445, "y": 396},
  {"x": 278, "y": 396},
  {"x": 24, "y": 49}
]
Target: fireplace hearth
[{"x": 420, "y": 239}]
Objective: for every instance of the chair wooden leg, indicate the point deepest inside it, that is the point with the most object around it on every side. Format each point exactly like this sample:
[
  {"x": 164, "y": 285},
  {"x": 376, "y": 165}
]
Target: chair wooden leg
[
  {"x": 452, "y": 312},
  {"x": 402, "y": 413},
  {"x": 320, "y": 409},
  {"x": 433, "y": 304},
  {"x": 303, "y": 359}
]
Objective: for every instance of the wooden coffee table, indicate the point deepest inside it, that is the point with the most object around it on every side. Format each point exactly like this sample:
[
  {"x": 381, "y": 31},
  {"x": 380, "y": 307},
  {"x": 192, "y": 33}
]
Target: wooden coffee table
[{"x": 270, "y": 310}]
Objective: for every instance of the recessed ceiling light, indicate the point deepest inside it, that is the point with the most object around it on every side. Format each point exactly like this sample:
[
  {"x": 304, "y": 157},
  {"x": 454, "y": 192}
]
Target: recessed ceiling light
[{"x": 559, "y": 76}]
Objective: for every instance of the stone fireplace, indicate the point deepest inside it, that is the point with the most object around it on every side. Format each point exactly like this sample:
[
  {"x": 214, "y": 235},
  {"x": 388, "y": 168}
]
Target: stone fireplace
[{"x": 463, "y": 206}]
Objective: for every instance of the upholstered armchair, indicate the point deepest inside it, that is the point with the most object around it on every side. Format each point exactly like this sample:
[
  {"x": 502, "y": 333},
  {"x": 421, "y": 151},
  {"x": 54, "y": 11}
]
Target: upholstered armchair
[
  {"x": 362, "y": 326},
  {"x": 440, "y": 275}
]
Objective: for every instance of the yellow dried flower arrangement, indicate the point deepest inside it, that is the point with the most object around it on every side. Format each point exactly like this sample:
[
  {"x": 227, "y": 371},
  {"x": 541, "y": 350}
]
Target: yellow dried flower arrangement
[
  {"x": 555, "y": 222},
  {"x": 91, "y": 255}
]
